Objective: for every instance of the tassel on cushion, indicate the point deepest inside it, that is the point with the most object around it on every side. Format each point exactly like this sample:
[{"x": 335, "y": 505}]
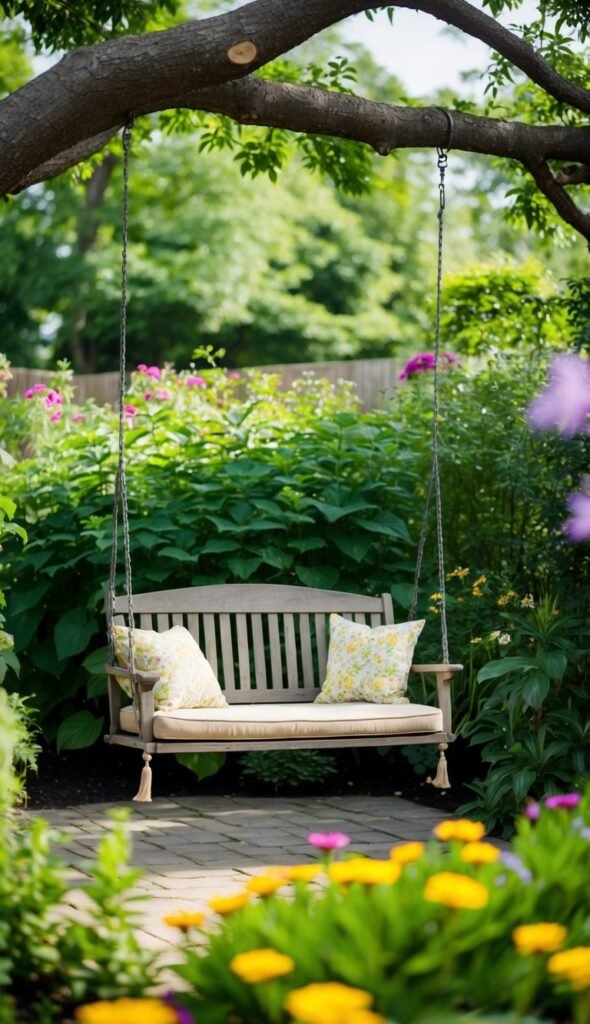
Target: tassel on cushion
[
  {"x": 441, "y": 779},
  {"x": 144, "y": 793}
]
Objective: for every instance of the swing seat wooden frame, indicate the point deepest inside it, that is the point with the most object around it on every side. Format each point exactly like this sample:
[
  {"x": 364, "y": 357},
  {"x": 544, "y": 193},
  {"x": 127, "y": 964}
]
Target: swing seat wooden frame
[{"x": 268, "y": 645}]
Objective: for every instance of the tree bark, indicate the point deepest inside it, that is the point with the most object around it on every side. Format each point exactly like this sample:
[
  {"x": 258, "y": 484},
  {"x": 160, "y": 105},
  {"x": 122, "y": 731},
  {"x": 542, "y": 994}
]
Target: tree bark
[{"x": 68, "y": 112}]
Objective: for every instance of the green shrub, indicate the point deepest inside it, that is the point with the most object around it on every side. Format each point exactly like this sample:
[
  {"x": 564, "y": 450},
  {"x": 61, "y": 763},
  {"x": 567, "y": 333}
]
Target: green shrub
[{"x": 279, "y": 768}]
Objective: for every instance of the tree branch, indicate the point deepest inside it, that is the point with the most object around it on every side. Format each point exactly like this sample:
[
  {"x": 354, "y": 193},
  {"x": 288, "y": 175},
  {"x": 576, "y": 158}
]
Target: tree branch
[
  {"x": 559, "y": 198},
  {"x": 573, "y": 175}
]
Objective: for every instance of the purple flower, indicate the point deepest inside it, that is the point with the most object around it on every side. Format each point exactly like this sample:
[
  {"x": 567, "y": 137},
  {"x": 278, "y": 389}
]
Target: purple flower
[
  {"x": 531, "y": 811},
  {"x": 565, "y": 800},
  {"x": 35, "y": 390},
  {"x": 56, "y": 416},
  {"x": 52, "y": 398},
  {"x": 577, "y": 527},
  {"x": 78, "y": 418},
  {"x": 184, "y": 1016},
  {"x": 565, "y": 404},
  {"x": 328, "y": 841},
  {"x": 150, "y": 371},
  {"x": 130, "y": 410},
  {"x": 195, "y": 382},
  {"x": 418, "y": 364},
  {"x": 513, "y": 861}
]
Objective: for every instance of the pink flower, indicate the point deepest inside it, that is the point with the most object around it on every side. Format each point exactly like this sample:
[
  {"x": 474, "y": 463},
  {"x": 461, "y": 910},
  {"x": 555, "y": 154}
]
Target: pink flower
[
  {"x": 234, "y": 375},
  {"x": 577, "y": 527},
  {"x": 148, "y": 395},
  {"x": 426, "y": 361},
  {"x": 52, "y": 398},
  {"x": 35, "y": 390},
  {"x": 162, "y": 394},
  {"x": 150, "y": 371},
  {"x": 565, "y": 800},
  {"x": 78, "y": 418},
  {"x": 531, "y": 811},
  {"x": 328, "y": 841},
  {"x": 129, "y": 410},
  {"x": 565, "y": 404},
  {"x": 55, "y": 416},
  {"x": 195, "y": 382}
]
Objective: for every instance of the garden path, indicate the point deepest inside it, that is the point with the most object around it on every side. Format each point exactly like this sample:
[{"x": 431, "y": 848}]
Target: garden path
[{"x": 192, "y": 848}]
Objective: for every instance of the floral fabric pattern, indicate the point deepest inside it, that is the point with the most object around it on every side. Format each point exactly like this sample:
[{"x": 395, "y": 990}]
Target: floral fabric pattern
[
  {"x": 186, "y": 677},
  {"x": 367, "y": 663}
]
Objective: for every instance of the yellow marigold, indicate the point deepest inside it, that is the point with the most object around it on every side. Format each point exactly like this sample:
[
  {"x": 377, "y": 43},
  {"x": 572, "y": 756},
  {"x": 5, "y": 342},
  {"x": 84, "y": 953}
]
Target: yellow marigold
[
  {"x": 328, "y": 1002},
  {"x": 462, "y": 829},
  {"x": 573, "y": 965},
  {"x": 407, "y": 853},
  {"x": 479, "y": 853},
  {"x": 297, "y": 872},
  {"x": 184, "y": 919},
  {"x": 127, "y": 1011},
  {"x": 539, "y": 938},
  {"x": 264, "y": 885},
  {"x": 365, "y": 871},
  {"x": 454, "y": 890},
  {"x": 227, "y": 904},
  {"x": 261, "y": 965}
]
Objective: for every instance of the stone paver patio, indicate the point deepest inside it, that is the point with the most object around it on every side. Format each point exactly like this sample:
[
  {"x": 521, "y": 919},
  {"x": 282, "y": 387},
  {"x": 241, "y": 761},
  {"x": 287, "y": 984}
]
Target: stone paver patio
[{"x": 192, "y": 848}]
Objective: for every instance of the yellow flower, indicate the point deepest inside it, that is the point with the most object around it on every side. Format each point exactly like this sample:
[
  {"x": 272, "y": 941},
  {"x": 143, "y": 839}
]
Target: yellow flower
[
  {"x": 227, "y": 904},
  {"x": 457, "y": 891},
  {"x": 476, "y": 640},
  {"x": 479, "y": 853},
  {"x": 184, "y": 919},
  {"x": 433, "y": 609},
  {"x": 407, "y": 853},
  {"x": 477, "y": 592},
  {"x": 538, "y": 938},
  {"x": 461, "y": 829},
  {"x": 297, "y": 872},
  {"x": 362, "y": 1017},
  {"x": 528, "y": 601},
  {"x": 459, "y": 573},
  {"x": 264, "y": 885},
  {"x": 365, "y": 871},
  {"x": 328, "y": 1002},
  {"x": 479, "y": 581},
  {"x": 261, "y": 965},
  {"x": 435, "y": 597},
  {"x": 127, "y": 1011},
  {"x": 573, "y": 965},
  {"x": 503, "y": 600}
]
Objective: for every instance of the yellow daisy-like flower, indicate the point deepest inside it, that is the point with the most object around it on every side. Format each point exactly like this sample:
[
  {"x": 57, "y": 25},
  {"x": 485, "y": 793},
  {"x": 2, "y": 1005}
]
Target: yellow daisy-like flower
[
  {"x": 261, "y": 965},
  {"x": 479, "y": 853},
  {"x": 407, "y": 853},
  {"x": 539, "y": 938},
  {"x": 479, "y": 581},
  {"x": 503, "y": 600},
  {"x": 459, "y": 573},
  {"x": 457, "y": 891},
  {"x": 461, "y": 829},
  {"x": 297, "y": 872},
  {"x": 572, "y": 965},
  {"x": 477, "y": 591},
  {"x": 435, "y": 597},
  {"x": 476, "y": 640},
  {"x": 365, "y": 871},
  {"x": 126, "y": 1011},
  {"x": 328, "y": 1002},
  {"x": 264, "y": 885},
  {"x": 228, "y": 904},
  {"x": 184, "y": 919},
  {"x": 362, "y": 1017}
]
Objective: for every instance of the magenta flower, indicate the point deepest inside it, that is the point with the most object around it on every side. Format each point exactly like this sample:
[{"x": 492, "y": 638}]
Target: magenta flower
[
  {"x": 328, "y": 841},
  {"x": 234, "y": 375},
  {"x": 130, "y": 410},
  {"x": 56, "y": 416},
  {"x": 148, "y": 396},
  {"x": 565, "y": 800},
  {"x": 195, "y": 382},
  {"x": 162, "y": 394},
  {"x": 418, "y": 364},
  {"x": 78, "y": 418},
  {"x": 150, "y": 371},
  {"x": 577, "y": 527},
  {"x": 52, "y": 398},
  {"x": 531, "y": 811},
  {"x": 35, "y": 390},
  {"x": 565, "y": 404}
]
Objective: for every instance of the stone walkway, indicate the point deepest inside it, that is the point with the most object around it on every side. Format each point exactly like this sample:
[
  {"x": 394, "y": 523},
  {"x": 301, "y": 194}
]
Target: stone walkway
[{"x": 192, "y": 848}]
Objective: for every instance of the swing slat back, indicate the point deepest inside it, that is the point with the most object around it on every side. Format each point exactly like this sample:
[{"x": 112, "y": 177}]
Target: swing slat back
[{"x": 265, "y": 642}]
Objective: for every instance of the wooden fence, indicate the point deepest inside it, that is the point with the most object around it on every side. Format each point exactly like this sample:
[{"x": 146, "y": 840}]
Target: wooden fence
[{"x": 375, "y": 379}]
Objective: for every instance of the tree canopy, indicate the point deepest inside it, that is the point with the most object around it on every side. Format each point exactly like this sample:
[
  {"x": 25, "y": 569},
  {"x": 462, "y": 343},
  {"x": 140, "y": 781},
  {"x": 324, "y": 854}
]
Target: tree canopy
[{"x": 130, "y": 57}]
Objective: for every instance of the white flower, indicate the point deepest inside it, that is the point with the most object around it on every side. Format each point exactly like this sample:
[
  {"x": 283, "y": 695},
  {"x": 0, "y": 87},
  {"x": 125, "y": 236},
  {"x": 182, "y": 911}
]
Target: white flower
[
  {"x": 504, "y": 639},
  {"x": 495, "y": 634}
]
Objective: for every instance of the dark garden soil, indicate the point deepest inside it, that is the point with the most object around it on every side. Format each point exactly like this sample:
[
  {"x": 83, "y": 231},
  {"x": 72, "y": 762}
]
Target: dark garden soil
[{"x": 105, "y": 774}]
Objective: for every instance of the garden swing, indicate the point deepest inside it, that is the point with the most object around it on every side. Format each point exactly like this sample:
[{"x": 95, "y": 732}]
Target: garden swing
[{"x": 282, "y": 684}]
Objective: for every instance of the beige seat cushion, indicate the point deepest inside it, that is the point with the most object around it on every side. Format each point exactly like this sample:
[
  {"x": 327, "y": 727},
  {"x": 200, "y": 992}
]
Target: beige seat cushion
[{"x": 289, "y": 721}]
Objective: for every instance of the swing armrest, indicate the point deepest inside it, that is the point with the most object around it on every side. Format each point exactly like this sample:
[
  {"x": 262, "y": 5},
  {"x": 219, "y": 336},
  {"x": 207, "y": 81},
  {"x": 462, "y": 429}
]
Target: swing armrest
[
  {"x": 444, "y": 675},
  {"x": 146, "y": 680}
]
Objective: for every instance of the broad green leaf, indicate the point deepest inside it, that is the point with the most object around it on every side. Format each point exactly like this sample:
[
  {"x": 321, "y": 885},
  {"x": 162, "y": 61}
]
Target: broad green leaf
[
  {"x": 244, "y": 568},
  {"x": 554, "y": 663},
  {"x": 203, "y": 765},
  {"x": 177, "y": 553},
  {"x": 386, "y": 523},
  {"x": 355, "y": 547},
  {"x": 79, "y": 730},
  {"x": 277, "y": 558},
  {"x": 496, "y": 669},
  {"x": 308, "y": 544},
  {"x": 22, "y": 598},
  {"x": 536, "y": 688},
  {"x": 7, "y": 505},
  {"x": 218, "y": 545},
  {"x": 324, "y": 577},
  {"x": 72, "y": 633},
  {"x": 94, "y": 663}
]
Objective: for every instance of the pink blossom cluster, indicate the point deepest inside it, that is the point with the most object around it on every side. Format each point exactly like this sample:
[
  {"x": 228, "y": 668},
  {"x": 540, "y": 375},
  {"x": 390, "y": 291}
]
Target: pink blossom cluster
[
  {"x": 564, "y": 405},
  {"x": 51, "y": 399},
  {"x": 195, "y": 382},
  {"x": 426, "y": 361},
  {"x": 565, "y": 801},
  {"x": 150, "y": 371}
]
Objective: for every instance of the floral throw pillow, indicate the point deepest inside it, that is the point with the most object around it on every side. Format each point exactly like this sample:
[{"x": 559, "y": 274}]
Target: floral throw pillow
[
  {"x": 367, "y": 663},
  {"x": 186, "y": 677}
]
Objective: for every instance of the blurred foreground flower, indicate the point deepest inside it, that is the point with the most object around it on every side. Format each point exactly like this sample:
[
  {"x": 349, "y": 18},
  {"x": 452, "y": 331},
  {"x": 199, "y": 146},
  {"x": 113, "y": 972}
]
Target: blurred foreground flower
[
  {"x": 127, "y": 1011},
  {"x": 577, "y": 527},
  {"x": 426, "y": 361},
  {"x": 565, "y": 404},
  {"x": 328, "y": 841}
]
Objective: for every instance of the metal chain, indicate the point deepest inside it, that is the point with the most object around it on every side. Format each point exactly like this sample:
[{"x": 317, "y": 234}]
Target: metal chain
[
  {"x": 120, "y": 495},
  {"x": 434, "y": 480}
]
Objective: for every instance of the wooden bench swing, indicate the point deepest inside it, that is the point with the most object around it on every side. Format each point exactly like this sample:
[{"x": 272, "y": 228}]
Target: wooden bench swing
[{"x": 268, "y": 644}]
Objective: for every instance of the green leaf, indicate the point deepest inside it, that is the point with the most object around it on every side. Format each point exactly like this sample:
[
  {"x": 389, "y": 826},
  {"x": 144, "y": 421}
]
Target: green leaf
[
  {"x": 244, "y": 568},
  {"x": 536, "y": 688},
  {"x": 23, "y": 598},
  {"x": 277, "y": 558},
  {"x": 324, "y": 577},
  {"x": 7, "y": 505},
  {"x": 79, "y": 730},
  {"x": 218, "y": 545},
  {"x": 388, "y": 524},
  {"x": 72, "y": 633},
  {"x": 554, "y": 663},
  {"x": 308, "y": 544},
  {"x": 203, "y": 765},
  {"x": 355, "y": 547},
  {"x": 496, "y": 669},
  {"x": 178, "y": 553},
  {"x": 94, "y": 663}
]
